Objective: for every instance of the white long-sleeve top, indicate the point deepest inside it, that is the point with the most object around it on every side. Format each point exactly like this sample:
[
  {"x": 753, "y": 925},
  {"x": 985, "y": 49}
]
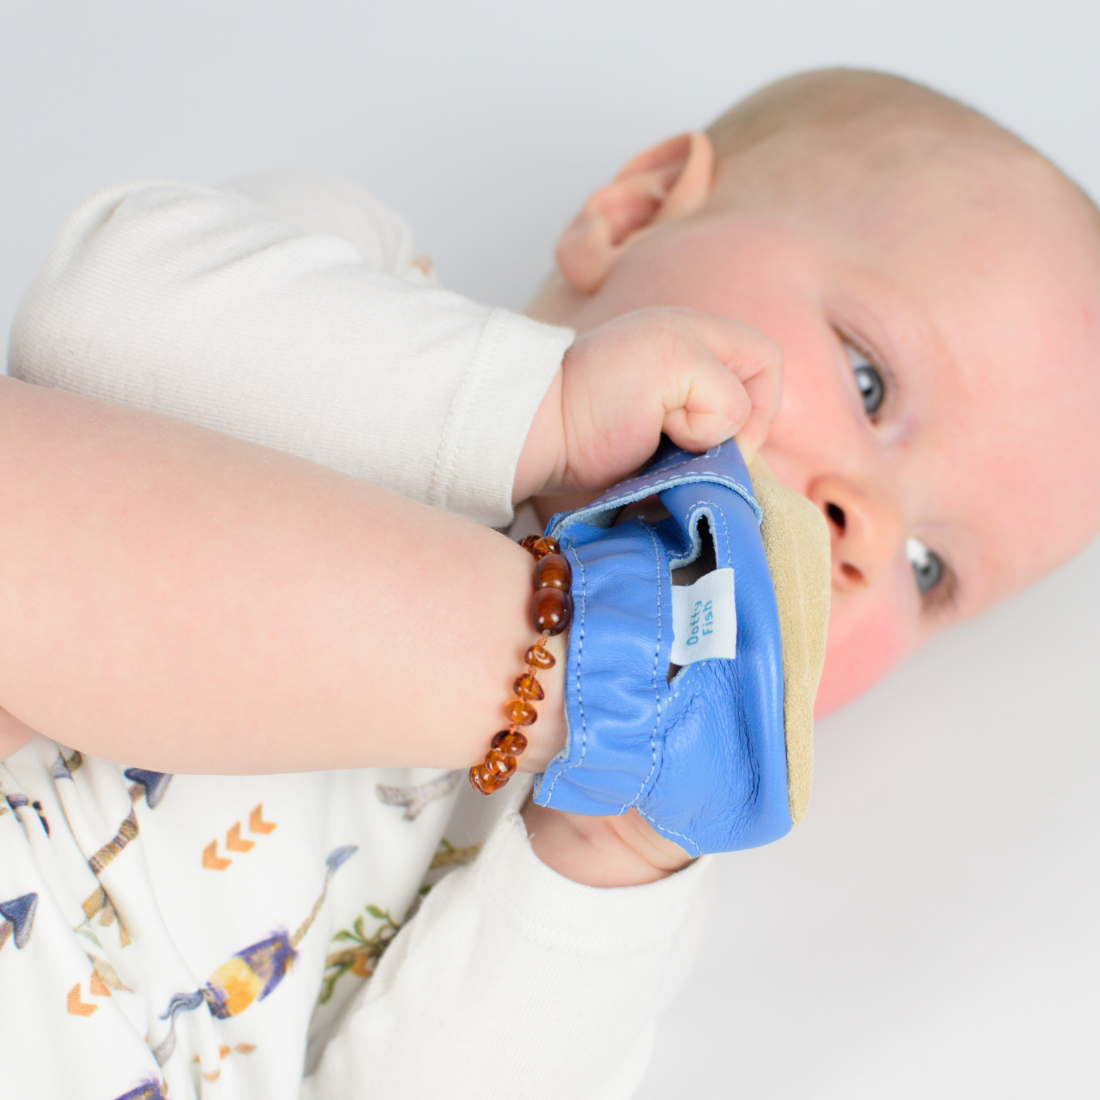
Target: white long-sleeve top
[
  {"x": 290, "y": 310},
  {"x": 238, "y": 937}
]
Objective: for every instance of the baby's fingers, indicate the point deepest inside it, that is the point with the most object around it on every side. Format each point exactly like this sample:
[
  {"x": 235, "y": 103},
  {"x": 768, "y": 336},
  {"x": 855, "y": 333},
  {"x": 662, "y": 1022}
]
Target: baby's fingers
[
  {"x": 764, "y": 388},
  {"x": 756, "y": 362},
  {"x": 708, "y": 406},
  {"x": 733, "y": 387}
]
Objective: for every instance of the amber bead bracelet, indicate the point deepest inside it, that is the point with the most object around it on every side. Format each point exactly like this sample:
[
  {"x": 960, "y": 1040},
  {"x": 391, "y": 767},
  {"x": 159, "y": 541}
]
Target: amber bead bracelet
[{"x": 551, "y": 612}]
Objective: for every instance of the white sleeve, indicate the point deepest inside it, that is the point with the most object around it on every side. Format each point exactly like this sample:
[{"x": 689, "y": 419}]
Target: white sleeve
[
  {"x": 514, "y": 981},
  {"x": 288, "y": 310}
]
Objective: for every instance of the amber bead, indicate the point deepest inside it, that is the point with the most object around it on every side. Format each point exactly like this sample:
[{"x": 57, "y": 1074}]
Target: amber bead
[
  {"x": 551, "y": 610},
  {"x": 527, "y": 687},
  {"x": 483, "y": 780},
  {"x": 521, "y": 712},
  {"x": 545, "y": 546},
  {"x": 553, "y": 571},
  {"x": 508, "y": 743},
  {"x": 499, "y": 765},
  {"x": 528, "y": 543},
  {"x": 538, "y": 657}
]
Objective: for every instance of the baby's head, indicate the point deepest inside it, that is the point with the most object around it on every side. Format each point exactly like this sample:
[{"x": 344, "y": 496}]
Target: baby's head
[{"x": 934, "y": 284}]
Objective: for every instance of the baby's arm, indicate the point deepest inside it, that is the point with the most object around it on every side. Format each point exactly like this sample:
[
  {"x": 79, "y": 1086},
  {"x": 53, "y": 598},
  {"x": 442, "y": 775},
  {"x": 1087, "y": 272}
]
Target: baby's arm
[
  {"x": 287, "y": 309},
  {"x": 184, "y": 601},
  {"x": 298, "y": 664},
  {"x": 259, "y": 311}
]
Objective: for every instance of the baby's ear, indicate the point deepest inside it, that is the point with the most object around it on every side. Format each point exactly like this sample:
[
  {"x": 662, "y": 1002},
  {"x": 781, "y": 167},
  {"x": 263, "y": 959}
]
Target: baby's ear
[{"x": 669, "y": 181}]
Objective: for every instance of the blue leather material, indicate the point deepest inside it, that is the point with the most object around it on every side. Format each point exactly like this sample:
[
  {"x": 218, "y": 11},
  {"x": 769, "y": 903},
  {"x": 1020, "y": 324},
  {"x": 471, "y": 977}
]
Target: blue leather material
[{"x": 703, "y": 758}]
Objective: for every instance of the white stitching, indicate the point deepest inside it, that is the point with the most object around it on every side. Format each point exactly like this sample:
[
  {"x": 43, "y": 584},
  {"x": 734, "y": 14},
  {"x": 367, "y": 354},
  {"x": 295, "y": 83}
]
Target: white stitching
[
  {"x": 707, "y": 506},
  {"x": 726, "y": 535},
  {"x": 656, "y": 690},
  {"x": 672, "y": 832},
  {"x": 656, "y": 656},
  {"x": 658, "y": 468},
  {"x": 627, "y": 494},
  {"x": 684, "y": 677}
]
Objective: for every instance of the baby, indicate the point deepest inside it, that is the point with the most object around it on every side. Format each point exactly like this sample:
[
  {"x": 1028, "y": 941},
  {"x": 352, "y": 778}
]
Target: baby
[
  {"x": 919, "y": 267},
  {"x": 912, "y": 260}
]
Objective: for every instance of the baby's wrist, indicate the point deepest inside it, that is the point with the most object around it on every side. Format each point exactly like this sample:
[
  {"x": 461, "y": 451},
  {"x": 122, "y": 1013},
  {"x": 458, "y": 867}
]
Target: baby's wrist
[
  {"x": 546, "y": 736},
  {"x": 542, "y": 461},
  {"x": 602, "y": 851},
  {"x": 539, "y": 688}
]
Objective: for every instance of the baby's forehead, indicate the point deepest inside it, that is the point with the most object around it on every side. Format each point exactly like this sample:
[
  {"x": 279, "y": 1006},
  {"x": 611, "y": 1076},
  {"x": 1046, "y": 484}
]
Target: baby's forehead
[
  {"x": 996, "y": 254},
  {"x": 962, "y": 196},
  {"x": 851, "y": 143},
  {"x": 892, "y": 174}
]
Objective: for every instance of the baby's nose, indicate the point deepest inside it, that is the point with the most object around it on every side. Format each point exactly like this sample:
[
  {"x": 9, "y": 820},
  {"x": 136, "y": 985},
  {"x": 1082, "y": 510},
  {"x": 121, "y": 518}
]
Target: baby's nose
[{"x": 865, "y": 533}]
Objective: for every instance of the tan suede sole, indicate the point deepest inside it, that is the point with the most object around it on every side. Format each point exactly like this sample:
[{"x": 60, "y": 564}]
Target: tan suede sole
[{"x": 796, "y": 540}]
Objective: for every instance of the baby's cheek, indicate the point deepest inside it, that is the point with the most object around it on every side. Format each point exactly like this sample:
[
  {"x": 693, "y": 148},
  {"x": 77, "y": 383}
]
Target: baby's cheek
[{"x": 869, "y": 634}]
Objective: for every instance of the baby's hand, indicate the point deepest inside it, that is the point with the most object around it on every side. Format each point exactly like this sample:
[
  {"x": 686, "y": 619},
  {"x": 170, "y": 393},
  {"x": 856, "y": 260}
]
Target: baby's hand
[
  {"x": 602, "y": 851},
  {"x": 698, "y": 379}
]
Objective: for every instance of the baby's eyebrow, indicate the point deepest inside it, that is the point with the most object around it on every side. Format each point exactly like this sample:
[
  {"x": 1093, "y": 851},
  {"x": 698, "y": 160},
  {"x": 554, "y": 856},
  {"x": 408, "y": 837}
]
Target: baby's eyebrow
[{"x": 887, "y": 324}]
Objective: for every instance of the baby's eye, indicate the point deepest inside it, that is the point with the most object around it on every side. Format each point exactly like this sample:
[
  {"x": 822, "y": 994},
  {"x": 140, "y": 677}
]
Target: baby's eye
[
  {"x": 927, "y": 565},
  {"x": 872, "y": 387}
]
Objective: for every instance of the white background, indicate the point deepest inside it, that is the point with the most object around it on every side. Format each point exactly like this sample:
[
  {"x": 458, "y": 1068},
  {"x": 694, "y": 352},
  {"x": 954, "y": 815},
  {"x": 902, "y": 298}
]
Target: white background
[{"x": 931, "y": 930}]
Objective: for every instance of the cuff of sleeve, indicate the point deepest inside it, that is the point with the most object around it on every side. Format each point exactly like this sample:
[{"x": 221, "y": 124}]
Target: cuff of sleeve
[
  {"x": 568, "y": 916},
  {"x": 515, "y": 361}
]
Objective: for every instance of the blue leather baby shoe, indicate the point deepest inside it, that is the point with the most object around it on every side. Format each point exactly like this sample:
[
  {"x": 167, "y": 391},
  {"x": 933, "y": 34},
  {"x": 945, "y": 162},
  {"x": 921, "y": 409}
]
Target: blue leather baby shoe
[{"x": 674, "y": 694}]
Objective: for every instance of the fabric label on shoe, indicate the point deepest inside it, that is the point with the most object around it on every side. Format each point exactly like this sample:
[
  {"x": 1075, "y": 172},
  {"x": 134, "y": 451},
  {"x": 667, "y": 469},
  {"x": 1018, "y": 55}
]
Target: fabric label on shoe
[{"x": 704, "y": 619}]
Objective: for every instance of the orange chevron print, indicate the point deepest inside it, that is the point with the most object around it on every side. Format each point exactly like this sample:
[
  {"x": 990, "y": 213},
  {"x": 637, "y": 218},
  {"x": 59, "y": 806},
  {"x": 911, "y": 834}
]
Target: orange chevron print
[
  {"x": 224, "y": 1051},
  {"x": 77, "y": 1007},
  {"x": 211, "y": 860},
  {"x": 234, "y": 842}
]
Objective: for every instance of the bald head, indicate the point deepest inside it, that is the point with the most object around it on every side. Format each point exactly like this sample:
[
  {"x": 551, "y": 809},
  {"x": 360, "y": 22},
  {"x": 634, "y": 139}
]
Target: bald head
[
  {"x": 815, "y": 133},
  {"x": 886, "y": 167},
  {"x": 855, "y": 101}
]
